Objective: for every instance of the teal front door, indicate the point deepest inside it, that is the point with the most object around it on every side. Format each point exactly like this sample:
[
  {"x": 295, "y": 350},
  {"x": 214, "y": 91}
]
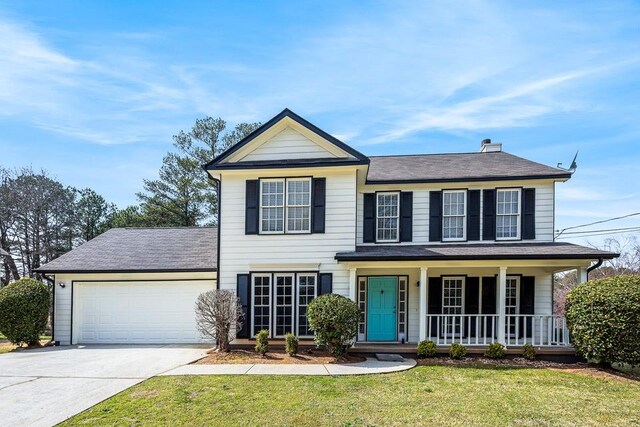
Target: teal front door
[{"x": 381, "y": 308}]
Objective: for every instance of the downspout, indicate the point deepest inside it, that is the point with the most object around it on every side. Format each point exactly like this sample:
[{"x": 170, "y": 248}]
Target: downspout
[
  {"x": 594, "y": 266},
  {"x": 53, "y": 307}
]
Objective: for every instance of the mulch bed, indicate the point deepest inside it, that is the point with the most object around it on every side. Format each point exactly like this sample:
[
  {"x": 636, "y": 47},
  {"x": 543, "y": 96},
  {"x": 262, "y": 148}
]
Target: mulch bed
[
  {"x": 519, "y": 362},
  {"x": 276, "y": 357}
]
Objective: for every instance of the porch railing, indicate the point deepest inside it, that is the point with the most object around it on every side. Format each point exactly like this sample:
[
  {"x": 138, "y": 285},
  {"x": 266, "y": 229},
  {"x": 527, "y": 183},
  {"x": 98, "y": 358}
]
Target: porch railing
[{"x": 482, "y": 329}]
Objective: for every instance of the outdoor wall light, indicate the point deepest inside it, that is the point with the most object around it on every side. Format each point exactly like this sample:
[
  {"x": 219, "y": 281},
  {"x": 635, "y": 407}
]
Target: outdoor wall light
[
  {"x": 62, "y": 285},
  {"x": 418, "y": 284}
]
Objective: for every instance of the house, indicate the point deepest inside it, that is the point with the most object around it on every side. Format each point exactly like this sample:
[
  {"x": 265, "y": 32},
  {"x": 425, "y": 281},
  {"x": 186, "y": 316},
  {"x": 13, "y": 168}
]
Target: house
[{"x": 448, "y": 247}]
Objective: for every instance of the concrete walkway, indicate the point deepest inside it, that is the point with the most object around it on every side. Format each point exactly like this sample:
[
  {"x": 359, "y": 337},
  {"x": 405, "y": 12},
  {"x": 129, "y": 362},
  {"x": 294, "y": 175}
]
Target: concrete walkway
[{"x": 370, "y": 366}]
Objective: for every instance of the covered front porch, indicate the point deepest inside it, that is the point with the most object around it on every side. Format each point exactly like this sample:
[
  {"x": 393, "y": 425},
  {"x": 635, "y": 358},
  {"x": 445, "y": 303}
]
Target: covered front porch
[{"x": 471, "y": 302}]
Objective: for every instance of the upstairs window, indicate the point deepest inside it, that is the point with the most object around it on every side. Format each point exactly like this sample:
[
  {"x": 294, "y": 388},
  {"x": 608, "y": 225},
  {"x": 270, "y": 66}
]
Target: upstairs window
[
  {"x": 280, "y": 212},
  {"x": 508, "y": 214},
  {"x": 454, "y": 219},
  {"x": 387, "y": 218}
]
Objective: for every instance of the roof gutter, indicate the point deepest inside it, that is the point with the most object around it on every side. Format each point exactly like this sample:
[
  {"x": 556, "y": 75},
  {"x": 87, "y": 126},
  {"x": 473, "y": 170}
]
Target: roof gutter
[{"x": 594, "y": 266}]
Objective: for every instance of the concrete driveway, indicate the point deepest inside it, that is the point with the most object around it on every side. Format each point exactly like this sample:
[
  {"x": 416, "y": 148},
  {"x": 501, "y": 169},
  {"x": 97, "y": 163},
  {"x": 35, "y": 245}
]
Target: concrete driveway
[{"x": 46, "y": 386}]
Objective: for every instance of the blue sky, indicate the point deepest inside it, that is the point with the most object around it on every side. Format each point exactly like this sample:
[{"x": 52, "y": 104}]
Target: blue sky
[{"x": 93, "y": 91}]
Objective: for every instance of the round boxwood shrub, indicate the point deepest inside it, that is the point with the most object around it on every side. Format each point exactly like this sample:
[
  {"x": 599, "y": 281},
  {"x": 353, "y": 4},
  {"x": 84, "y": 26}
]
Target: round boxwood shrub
[
  {"x": 24, "y": 310},
  {"x": 334, "y": 321},
  {"x": 495, "y": 351},
  {"x": 529, "y": 352},
  {"x": 290, "y": 344},
  {"x": 457, "y": 351},
  {"x": 427, "y": 349},
  {"x": 604, "y": 319},
  {"x": 262, "y": 342}
]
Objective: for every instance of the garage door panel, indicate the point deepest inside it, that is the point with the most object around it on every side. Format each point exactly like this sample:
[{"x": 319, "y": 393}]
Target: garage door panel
[{"x": 137, "y": 312}]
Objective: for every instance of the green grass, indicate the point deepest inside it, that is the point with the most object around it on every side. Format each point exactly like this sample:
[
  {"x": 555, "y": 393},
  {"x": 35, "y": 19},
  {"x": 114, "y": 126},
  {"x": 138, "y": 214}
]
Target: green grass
[{"x": 428, "y": 395}]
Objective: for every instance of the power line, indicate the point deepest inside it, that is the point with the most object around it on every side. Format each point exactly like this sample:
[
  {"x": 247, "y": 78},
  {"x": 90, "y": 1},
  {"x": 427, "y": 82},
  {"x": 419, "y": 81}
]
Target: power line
[
  {"x": 560, "y": 232},
  {"x": 604, "y": 230},
  {"x": 598, "y": 234}
]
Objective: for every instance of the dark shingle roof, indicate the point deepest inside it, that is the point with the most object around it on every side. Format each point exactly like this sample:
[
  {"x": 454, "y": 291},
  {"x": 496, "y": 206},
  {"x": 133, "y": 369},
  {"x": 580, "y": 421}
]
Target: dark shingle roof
[
  {"x": 142, "y": 249},
  {"x": 457, "y": 167},
  {"x": 550, "y": 250}
]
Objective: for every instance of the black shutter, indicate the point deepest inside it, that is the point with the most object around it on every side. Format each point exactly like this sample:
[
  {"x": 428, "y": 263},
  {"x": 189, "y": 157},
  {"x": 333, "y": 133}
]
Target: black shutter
[
  {"x": 243, "y": 292},
  {"x": 318, "y": 202},
  {"x": 369, "y": 220},
  {"x": 435, "y": 302},
  {"x": 527, "y": 301},
  {"x": 529, "y": 213},
  {"x": 252, "y": 200},
  {"x": 473, "y": 215},
  {"x": 406, "y": 216},
  {"x": 489, "y": 215},
  {"x": 489, "y": 295},
  {"x": 471, "y": 304},
  {"x": 435, "y": 216},
  {"x": 326, "y": 284},
  {"x": 489, "y": 303}
]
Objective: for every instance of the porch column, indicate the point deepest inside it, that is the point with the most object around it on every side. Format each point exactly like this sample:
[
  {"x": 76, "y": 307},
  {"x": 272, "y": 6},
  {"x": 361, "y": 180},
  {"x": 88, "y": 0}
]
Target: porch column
[
  {"x": 502, "y": 294},
  {"x": 583, "y": 274},
  {"x": 352, "y": 284},
  {"x": 423, "y": 303}
]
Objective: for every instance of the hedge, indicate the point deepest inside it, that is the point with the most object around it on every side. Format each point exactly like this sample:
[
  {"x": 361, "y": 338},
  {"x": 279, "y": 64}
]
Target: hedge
[
  {"x": 24, "y": 311},
  {"x": 604, "y": 319}
]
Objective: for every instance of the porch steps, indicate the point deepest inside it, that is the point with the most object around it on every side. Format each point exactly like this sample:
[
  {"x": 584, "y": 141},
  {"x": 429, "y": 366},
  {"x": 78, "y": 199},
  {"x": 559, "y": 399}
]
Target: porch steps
[{"x": 389, "y": 357}]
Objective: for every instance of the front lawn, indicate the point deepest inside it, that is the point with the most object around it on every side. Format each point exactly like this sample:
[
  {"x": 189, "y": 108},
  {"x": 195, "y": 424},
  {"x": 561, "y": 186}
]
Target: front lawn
[{"x": 426, "y": 395}]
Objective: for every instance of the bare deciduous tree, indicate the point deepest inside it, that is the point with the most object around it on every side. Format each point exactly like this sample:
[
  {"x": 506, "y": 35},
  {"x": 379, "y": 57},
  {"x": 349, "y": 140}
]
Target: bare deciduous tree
[{"x": 218, "y": 316}]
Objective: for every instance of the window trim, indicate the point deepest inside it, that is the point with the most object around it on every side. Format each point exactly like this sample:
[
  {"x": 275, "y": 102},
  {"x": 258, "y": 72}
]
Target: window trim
[
  {"x": 285, "y": 206},
  {"x": 464, "y": 217},
  {"x": 253, "y": 295},
  {"x": 453, "y": 333},
  {"x": 518, "y": 288},
  {"x": 297, "y": 300},
  {"x": 274, "y": 308},
  {"x": 518, "y": 235},
  {"x": 397, "y": 216}
]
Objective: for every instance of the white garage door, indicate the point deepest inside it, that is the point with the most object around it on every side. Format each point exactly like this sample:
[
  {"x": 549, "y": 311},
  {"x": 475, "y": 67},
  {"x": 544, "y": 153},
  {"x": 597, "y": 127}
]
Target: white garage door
[{"x": 153, "y": 312}]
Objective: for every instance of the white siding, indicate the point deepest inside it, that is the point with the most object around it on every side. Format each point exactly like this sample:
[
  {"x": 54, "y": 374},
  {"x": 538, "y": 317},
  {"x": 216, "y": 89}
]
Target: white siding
[
  {"x": 544, "y": 211},
  {"x": 288, "y": 144},
  {"x": 240, "y": 250}
]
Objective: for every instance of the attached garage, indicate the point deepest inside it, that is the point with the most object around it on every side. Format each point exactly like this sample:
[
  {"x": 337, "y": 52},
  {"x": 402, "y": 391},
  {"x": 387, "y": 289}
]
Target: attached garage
[
  {"x": 137, "y": 312},
  {"x": 133, "y": 286}
]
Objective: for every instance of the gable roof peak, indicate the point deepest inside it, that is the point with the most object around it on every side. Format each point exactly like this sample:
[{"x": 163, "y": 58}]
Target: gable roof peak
[{"x": 286, "y": 113}]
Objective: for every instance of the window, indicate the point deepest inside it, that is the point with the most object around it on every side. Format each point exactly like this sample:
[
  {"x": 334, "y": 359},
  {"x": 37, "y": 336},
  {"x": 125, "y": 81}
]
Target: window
[
  {"x": 279, "y": 302},
  {"x": 454, "y": 220},
  {"x": 284, "y": 304},
  {"x": 274, "y": 206},
  {"x": 387, "y": 217},
  {"x": 306, "y": 293},
  {"x": 261, "y": 303},
  {"x": 508, "y": 214},
  {"x": 298, "y": 205},
  {"x": 452, "y": 303},
  {"x": 512, "y": 298}
]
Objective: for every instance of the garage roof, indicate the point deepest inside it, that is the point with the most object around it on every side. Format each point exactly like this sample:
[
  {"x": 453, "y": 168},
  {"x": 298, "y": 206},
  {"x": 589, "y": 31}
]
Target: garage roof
[
  {"x": 121, "y": 250},
  {"x": 496, "y": 251}
]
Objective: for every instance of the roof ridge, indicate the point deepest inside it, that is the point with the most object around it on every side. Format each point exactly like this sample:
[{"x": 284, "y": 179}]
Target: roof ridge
[
  {"x": 442, "y": 154},
  {"x": 178, "y": 227}
]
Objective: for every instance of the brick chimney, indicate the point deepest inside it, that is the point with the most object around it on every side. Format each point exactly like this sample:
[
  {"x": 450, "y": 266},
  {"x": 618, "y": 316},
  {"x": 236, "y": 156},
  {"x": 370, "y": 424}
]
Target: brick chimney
[{"x": 486, "y": 146}]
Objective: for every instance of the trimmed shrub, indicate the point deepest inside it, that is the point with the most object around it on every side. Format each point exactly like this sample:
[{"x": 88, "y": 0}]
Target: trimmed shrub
[
  {"x": 24, "y": 311},
  {"x": 334, "y": 321},
  {"x": 427, "y": 349},
  {"x": 291, "y": 344},
  {"x": 529, "y": 352},
  {"x": 262, "y": 342},
  {"x": 495, "y": 351},
  {"x": 457, "y": 351},
  {"x": 604, "y": 319}
]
